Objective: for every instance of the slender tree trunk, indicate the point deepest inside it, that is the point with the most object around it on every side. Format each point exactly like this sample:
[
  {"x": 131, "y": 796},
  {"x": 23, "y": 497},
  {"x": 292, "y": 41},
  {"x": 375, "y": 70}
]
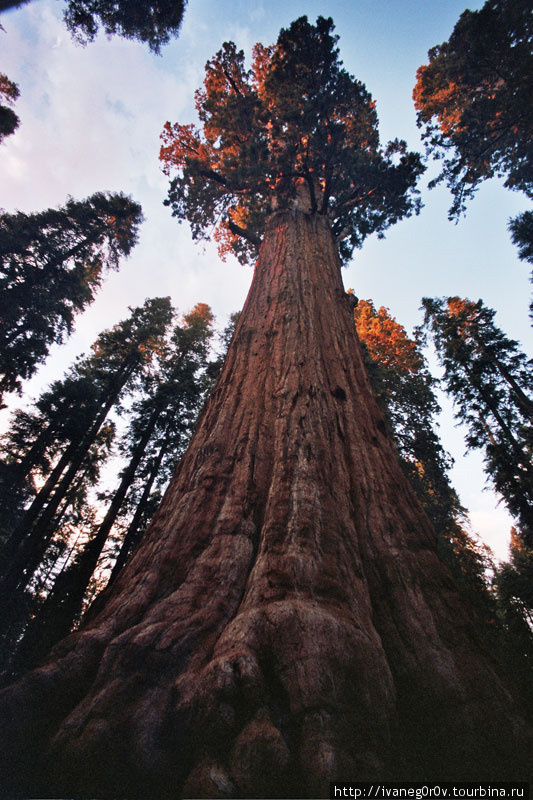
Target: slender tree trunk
[
  {"x": 286, "y": 620},
  {"x": 132, "y": 534},
  {"x": 521, "y": 399},
  {"x": 523, "y": 458},
  {"x": 30, "y": 539},
  {"x": 57, "y": 615},
  {"x": 22, "y": 469},
  {"x": 20, "y": 534}
]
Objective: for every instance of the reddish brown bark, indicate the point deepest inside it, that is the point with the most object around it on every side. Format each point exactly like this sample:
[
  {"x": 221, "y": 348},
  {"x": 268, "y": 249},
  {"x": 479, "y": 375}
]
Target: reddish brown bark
[{"x": 286, "y": 620}]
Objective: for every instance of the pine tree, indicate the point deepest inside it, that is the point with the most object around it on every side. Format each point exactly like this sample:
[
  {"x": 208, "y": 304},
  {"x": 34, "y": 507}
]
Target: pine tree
[
  {"x": 474, "y": 99},
  {"x": 100, "y": 380},
  {"x": 73, "y": 522},
  {"x": 514, "y": 581},
  {"x": 404, "y": 387},
  {"x": 182, "y": 394},
  {"x": 286, "y": 618},
  {"x": 521, "y": 228},
  {"x": 491, "y": 382},
  {"x": 51, "y": 266},
  {"x": 167, "y": 407},
  {"x": 514, "y": 592}
]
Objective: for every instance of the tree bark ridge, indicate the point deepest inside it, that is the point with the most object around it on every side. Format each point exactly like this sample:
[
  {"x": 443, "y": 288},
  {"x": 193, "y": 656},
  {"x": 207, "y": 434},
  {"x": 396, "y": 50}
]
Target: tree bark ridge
[{"x": 286, "y": 620}]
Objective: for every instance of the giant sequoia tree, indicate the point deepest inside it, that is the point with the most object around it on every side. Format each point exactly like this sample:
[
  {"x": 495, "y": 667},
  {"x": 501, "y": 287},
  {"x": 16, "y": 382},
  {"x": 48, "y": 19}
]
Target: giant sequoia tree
[{"x": 286, "y": 619}]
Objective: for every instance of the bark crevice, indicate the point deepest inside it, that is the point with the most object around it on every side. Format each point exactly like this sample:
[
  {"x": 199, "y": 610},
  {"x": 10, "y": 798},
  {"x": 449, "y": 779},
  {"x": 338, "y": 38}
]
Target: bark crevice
[{"x": 286, "y": 620}]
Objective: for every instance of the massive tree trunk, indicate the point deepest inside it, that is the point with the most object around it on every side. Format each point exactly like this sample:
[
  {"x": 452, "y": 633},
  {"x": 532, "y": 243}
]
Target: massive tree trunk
[{"x": 286, "y": 620}]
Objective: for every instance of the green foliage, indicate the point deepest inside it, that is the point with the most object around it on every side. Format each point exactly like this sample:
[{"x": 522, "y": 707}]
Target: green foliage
[
  {"x": 153, "y": 22},
  {"x": 521, "y": 228},
  {"x": 474, "y": 99},
  {"x": 513, "y": 582},
  {"x": 9, "y": 121},
  {"x": 296, "y": 124},
  {"x": 51, "y": 265},
  {"x": 522, "y": 235},
  {"x": 491, "y": 382},
  {"x": 67, "y": 423},
  {"x": 165, "y": 368}
]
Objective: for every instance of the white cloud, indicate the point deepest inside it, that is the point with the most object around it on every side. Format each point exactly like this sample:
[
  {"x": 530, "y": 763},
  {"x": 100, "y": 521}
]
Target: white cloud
[{"x": 90, "y": 121}]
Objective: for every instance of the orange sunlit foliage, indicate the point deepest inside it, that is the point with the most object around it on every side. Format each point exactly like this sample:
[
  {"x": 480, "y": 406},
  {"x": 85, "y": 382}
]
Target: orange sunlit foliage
[
  {"x": 180, "y": 143},
  {"x": 295, "y": 119},
  {"x": 386, "y": 340},
  {"x": 464, "y": 312},
  {"x": 440, "y": 101}
]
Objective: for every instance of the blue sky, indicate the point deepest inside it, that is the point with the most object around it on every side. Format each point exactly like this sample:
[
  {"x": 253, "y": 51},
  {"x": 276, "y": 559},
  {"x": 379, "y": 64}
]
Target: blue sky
[{"x": 91, "y": 119}]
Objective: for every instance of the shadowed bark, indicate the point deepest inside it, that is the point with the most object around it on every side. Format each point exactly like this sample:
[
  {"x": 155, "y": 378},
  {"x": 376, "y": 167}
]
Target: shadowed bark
[{"x": 285, "y": 621}]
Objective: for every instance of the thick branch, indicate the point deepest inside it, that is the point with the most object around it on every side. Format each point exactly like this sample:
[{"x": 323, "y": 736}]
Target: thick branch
[{"x": 238, "y": 231}]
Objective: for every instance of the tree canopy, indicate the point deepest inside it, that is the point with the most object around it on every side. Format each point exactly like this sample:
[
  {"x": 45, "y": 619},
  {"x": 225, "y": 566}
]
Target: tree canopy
[
  {"x": 474, "y": 99},
  {"x": 9, "y": 121},
  {"x": 51, "y": 265},
  {"x": 491, "y": 382},
  {"x": 295, "y": 123},
  {"x": 153, "y": 23}
]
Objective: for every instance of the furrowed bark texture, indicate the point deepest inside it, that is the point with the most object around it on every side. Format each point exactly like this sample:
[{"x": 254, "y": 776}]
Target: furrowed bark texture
[{"x": 286, "y": 620}]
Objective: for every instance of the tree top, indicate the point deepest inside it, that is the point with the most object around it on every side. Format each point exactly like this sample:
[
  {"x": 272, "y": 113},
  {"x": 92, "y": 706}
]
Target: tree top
[
  {"x": 473, "y": 99},
  {"x": 294, "y": 130}
]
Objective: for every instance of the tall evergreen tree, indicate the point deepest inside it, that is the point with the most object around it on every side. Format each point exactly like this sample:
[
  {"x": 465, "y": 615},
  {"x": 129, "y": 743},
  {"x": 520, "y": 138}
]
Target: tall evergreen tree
[
  {"x": 100, "y": 380},
  {"x": 521, "y": 228},
  {"x": 73, "y": 521},
  {"x": 491, "y": 382},
  {"x": 515, "y": 582},
  {"x": 404, "y": 389},
  {"x": 167, "y": 407},
  {"x": 51, "y": 265},
  {"x": 403, "y": 386},
  {"x": 514, "y": 593},
  {"x": 286, "y": 618},
  {"x": 185, "y": 381},
  {"x": 474, "y": 101}
]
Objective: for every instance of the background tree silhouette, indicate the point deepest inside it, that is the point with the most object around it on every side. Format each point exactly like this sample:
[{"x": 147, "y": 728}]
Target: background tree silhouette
[
  {"x": 153, "y": 22},
  {"x": 51, "y": 266}
]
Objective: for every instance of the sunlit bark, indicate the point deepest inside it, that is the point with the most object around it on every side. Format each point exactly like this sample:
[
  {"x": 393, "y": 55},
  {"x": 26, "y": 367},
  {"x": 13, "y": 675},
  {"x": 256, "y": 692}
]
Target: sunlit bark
[{"x": 286, "y": 620}]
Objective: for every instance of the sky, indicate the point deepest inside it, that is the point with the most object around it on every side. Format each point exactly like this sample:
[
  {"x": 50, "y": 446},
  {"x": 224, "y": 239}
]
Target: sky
[{"x": 91, "y": 119}]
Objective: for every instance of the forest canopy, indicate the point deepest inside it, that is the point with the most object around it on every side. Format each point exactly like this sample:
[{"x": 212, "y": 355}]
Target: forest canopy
[{"x": 474, "y": 100}]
